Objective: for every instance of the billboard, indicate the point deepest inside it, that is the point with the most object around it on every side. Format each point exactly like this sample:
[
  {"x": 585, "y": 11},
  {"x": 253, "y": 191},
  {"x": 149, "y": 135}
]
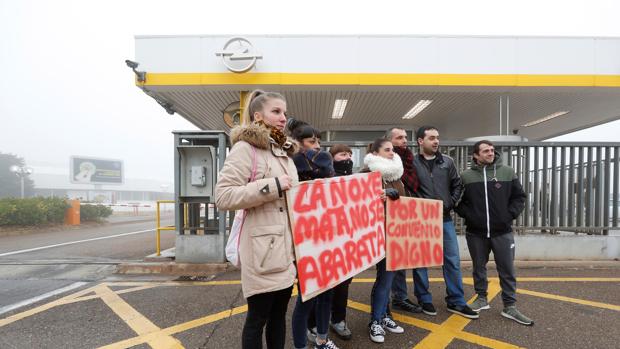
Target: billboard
[{"x": 87, "y": 170}]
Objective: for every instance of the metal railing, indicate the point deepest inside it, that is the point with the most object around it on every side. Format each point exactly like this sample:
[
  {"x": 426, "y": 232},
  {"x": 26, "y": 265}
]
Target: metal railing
[
  {"x": 159, "y": 227},
  {"x": 569, "y": 186}
]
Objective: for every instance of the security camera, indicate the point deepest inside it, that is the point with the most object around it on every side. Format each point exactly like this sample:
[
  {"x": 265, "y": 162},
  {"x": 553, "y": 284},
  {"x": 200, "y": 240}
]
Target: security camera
[
  {"x": 515, "y": 131},
  {"x": 140, "y": 75},
  {"x": 132, "y": 64}
]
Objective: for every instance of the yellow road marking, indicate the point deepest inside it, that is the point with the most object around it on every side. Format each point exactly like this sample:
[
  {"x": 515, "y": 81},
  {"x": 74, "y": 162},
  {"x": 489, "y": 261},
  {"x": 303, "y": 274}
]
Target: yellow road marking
[
  {"x": 470, "y": 281},
  {"x": 138, "y": 322},
  {"x": 551, "y": 279},
  {"x": 147, "y": 338},
  {"x": 569, "y": 299},
  {"x": 453, "y": 328},
  {"x": 426, "y": 325},
  {"x": 372, "y": 280},
  {"x": 44, "y": 307},
  {"x": 442, "y": 334}
]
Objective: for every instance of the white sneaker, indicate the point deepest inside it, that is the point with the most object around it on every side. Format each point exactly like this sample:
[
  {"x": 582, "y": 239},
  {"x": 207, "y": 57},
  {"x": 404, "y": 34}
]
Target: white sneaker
[
  {"x": 391, "y": 325},
  {"x": 377, "y": 334}
]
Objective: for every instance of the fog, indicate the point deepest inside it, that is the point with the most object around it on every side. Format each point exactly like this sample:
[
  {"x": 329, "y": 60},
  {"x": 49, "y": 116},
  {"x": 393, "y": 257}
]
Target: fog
[{"x": 65, "y": 89}]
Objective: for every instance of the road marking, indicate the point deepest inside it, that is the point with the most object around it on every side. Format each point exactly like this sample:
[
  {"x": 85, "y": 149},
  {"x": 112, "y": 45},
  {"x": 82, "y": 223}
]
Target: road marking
[
  {"x": 443, "y": 334},
  {"x": 563, "y": 279},
  {"x": 453, "y": 327},
  {"x": 72, "y": 298},
  {"x": 135, "y": 320},
  {"x": 146, "y": 338},
  {"x": 74, "y": 242},
  {"x": 570, "y": 300},
  {"x": 26, "y": 302}
]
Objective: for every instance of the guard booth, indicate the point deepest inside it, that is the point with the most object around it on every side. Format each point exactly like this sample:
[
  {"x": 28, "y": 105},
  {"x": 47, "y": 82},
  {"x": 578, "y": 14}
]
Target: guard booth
[{"x": 201, "y": 228}]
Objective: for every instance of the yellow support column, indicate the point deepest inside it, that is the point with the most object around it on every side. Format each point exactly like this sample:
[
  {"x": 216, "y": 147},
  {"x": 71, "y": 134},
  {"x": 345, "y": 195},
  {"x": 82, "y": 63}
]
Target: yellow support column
[{"x": 242, "y": 96}]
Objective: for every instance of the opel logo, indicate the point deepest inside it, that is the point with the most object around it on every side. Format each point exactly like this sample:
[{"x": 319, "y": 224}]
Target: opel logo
[{"x": 239, "y": 55}]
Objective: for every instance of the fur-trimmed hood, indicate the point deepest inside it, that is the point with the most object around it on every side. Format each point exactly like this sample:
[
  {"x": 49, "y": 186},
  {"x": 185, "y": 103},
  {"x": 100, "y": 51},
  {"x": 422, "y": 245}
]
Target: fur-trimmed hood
[
  {"x": 391, "y": 170},
  {"x": 259, "y": 137}
]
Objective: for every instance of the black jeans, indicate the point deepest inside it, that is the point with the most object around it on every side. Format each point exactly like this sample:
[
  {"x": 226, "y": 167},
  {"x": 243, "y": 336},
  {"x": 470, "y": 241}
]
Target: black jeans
[
  {"x": 339, "y": 304},
  {"x": 266, "y": 309},
  {"x": 503, "y": 247}
]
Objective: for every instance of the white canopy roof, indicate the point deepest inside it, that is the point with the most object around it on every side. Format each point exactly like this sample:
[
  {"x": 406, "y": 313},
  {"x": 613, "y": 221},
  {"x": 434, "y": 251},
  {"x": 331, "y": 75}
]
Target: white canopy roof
[{"x": 383, "y": 77}]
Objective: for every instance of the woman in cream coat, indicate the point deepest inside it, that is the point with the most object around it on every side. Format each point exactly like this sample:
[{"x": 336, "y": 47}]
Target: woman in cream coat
[{"x": 266, "y": 247}]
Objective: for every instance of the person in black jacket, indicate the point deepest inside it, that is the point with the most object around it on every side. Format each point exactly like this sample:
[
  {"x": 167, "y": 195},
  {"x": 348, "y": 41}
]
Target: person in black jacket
[
  {"x": 492, "y": 199},
  {"x": 398, "y": 137},
  {"x": 438, "y": 179},
  {"x": 343, "y": 166},
  {"x": 312, "y": 163}
]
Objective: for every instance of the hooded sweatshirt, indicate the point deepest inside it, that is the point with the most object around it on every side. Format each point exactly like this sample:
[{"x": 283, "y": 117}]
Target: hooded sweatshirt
[{"x": 492, "y": 199}]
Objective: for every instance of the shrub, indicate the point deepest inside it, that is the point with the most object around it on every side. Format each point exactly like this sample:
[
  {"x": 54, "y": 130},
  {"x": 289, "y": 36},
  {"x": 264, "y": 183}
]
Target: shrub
[
  {"x": 94, "y": 212},
  {"x": 55, "y": 208},
  {"x": 32, "y": 211}
]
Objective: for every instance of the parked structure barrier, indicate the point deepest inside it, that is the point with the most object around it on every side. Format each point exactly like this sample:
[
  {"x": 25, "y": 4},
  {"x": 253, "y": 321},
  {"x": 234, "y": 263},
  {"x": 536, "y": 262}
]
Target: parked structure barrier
[{"x": 570, "y": 186}]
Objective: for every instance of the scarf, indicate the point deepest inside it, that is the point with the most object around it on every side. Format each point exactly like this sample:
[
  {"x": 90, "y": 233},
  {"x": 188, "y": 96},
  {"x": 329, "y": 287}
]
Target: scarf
[
  {"x": 343, "y": 167},
  {"x": 391, "y": 170},
  {"x": 276, "y": 135},
  {"x": 410, "y": 177}
]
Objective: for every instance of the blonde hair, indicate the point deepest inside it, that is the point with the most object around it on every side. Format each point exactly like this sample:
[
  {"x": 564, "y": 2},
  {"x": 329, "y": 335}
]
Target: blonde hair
[{"x": 255, "y": 101}]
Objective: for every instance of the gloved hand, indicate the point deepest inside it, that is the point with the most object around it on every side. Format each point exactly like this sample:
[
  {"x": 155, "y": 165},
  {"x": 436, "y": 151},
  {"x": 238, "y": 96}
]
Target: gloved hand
[{"x": 392, "y": 193}]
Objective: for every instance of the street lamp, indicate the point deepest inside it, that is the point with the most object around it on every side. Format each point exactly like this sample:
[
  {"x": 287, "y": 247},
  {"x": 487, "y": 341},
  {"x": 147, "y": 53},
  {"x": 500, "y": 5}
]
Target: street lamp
[{"x": 21, "y": 172}]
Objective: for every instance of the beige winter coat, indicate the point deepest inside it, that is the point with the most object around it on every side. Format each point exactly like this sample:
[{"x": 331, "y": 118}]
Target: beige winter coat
[{"x": 266, "y": 245}]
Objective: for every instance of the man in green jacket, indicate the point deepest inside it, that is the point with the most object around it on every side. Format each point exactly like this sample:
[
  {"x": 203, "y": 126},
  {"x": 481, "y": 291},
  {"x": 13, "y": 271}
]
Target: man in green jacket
[{"x": 492, "y": 199}]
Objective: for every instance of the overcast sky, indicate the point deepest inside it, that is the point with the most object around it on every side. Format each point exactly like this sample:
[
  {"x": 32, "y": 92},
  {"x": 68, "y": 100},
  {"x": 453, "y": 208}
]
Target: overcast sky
[{"x": 65, "y": 89}]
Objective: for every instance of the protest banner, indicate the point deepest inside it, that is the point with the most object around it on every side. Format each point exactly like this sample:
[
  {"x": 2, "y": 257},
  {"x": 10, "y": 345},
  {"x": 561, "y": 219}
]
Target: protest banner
[
  {"x": 338, "y": 229},
  {"x": 414, "y": 236}
]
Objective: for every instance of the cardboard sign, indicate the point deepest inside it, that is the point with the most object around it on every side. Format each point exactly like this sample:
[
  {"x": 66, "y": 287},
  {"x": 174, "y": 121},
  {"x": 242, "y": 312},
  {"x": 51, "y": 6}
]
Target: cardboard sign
[
  {"x": 414, "y": 233},
  {"x": 338, "y": 229}
]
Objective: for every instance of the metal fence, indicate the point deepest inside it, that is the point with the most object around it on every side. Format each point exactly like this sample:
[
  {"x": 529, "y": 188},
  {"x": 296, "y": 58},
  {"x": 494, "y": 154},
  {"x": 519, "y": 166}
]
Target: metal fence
[{"x": 570, "y": 187}]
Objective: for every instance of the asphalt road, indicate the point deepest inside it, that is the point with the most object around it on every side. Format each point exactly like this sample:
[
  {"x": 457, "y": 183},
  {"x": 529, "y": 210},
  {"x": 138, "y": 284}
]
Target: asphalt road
[
  {"x": 573, "y": 307},
  {"x": 42, "y": 263}
]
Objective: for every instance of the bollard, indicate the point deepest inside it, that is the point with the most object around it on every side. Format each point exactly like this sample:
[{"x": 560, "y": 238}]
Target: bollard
[{"x": 72, "y": 214}]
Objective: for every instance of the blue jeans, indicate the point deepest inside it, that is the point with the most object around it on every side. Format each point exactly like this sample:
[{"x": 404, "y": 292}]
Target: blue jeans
[
  {"x": 451, "y": 274},
  {"x": 322, "y": 305},
  {"x": 380, "y": 294}
]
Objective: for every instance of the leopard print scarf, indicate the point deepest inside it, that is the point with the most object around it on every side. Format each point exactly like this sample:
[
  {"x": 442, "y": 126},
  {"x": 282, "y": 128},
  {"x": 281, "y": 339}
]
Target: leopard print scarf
[{"x": 278, "y": 136}]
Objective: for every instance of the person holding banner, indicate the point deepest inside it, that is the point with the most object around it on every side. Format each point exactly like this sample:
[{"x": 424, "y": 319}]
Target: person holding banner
[
  {"x": 312, "y": 163},
  {"x": 261, "y": 150},
  {"x": 493, "y": 198},
  {"x": 343, "y": 166},
  {"x": 398, "y": 137},
  {"x": 381, "y": 158},
  {"x": 439, "y": 179}
]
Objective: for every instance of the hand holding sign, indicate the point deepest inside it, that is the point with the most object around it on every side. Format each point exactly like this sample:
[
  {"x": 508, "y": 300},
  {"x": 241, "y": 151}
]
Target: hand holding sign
[{"x": 285, "y": 182}]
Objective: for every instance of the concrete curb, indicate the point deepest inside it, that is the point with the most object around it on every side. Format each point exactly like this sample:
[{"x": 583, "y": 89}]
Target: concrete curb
[
  {"x": 203, "y": 269},
  {"x": 172, "y": 268}
]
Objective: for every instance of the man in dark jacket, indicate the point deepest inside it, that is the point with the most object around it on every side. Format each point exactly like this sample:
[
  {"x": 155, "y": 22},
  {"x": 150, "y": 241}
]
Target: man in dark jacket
[
  {"x": 493, "y": 198},
  {"x": 398, "y": 137},
  {"x": 438, "y": 179}
]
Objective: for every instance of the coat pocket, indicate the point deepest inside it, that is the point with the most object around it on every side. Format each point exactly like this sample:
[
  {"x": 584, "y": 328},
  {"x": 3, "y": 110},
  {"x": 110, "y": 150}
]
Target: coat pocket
[{"x": 269, "y": 249}]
